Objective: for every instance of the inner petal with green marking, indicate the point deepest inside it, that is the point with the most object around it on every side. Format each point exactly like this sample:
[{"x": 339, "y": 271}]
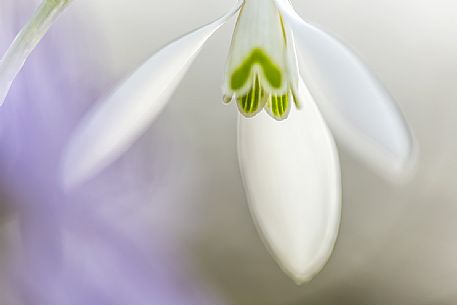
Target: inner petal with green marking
[
  {"x": 253, "y": 101},
  {"x": 264, "y": 85},
  {"x": 258, "y": 73},
  {"x": 271, "y": 71}
]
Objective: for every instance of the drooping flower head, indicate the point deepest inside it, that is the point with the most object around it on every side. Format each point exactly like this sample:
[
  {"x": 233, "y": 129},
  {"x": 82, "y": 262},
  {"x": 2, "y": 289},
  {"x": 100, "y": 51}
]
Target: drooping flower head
[{"x": 288, "y": 158}]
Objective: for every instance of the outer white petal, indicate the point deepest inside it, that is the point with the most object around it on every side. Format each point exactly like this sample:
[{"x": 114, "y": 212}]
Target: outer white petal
[
  {"x": 27, "y": 39},
  {"x": 117, "y": 121},
  {"x": 355, "y": 104},
  {"x": 291, "y": 175}
]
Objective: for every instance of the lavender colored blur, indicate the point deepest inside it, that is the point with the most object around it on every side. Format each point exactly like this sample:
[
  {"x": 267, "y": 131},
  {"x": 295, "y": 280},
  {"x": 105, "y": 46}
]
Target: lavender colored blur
[{"x": 87, "y": 247}]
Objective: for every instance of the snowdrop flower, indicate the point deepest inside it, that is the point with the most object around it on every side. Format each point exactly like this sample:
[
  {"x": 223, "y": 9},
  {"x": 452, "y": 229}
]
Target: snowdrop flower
[
  {"x": 26, "y": 41},
  {"x": 277, "y": 66}
]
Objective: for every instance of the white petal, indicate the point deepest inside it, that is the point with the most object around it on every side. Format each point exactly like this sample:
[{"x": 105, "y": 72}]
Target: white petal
[
  {"x": 354, "y": 103},
  {"x": 116, "y": 122},
  {"x": 24, "y": 43},
  {"x": 292, "y": 179},
  {"x": 259, "y": 26}
]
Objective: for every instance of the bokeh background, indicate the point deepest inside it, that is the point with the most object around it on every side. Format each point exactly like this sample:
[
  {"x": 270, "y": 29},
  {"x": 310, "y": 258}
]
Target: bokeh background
[{"x": 176, "y": 196}]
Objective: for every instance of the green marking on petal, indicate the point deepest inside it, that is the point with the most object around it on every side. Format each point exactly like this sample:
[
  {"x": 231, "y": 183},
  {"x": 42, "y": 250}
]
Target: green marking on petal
[
  {"x": 278, "y": 106},
  {"x": 262, "y": 69},
  {"x": 242, "y": 75},
  {"x": 251, "y": 103}
]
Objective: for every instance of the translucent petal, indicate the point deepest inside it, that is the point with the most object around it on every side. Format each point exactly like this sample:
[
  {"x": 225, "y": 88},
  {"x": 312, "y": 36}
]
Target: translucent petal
[
  {"x": 117, "y": 121},
  {"x": 258, "y": 43},
  {"x": 354, "y": 103},
  {"x": 291, "y": 176},
  {"x": 24, "y": 43}
]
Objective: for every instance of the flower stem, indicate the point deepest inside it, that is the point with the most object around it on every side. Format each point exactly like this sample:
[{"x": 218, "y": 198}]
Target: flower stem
[{"x": 26, "y": 40}]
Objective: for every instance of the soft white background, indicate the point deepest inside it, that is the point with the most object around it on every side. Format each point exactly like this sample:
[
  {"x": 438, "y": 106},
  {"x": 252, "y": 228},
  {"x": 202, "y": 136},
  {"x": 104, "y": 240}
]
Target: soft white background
[{"x": 398, "y": 242}]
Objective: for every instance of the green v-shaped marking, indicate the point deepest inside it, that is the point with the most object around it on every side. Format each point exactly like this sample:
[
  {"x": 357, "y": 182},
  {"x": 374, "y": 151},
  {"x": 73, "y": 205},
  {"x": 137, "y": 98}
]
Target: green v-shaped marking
[{"x": 272, "y": 72}]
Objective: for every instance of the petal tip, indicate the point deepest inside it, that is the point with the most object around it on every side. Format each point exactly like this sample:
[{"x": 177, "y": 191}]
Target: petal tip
[
  {"x": 83, "y": 158},
  {"x": 72, "y": 171},
  {"x": 302, "y": 274},
  {"x": 302, "y": 264}
]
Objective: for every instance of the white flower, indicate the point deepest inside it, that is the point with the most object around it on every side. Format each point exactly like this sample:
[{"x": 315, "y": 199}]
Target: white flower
[{"x": 287, "y": 155}]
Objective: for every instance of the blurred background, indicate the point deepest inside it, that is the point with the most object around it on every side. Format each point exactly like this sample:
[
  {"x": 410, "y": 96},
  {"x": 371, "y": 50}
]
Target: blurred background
[{"x": 168, "y": 223}]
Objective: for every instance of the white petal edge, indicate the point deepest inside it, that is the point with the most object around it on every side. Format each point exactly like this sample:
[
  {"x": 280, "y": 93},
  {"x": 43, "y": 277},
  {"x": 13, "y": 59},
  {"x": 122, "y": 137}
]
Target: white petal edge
[
  {"x": 358, "y": 109},
  {"x": 118, "y": 120},
  {"x": 291, "y": 175},
  {"x": 25, "y": 42}
]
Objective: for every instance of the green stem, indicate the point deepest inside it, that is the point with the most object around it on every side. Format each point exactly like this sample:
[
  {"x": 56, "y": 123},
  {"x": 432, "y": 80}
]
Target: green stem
[{"x": 27, "y": 39}]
